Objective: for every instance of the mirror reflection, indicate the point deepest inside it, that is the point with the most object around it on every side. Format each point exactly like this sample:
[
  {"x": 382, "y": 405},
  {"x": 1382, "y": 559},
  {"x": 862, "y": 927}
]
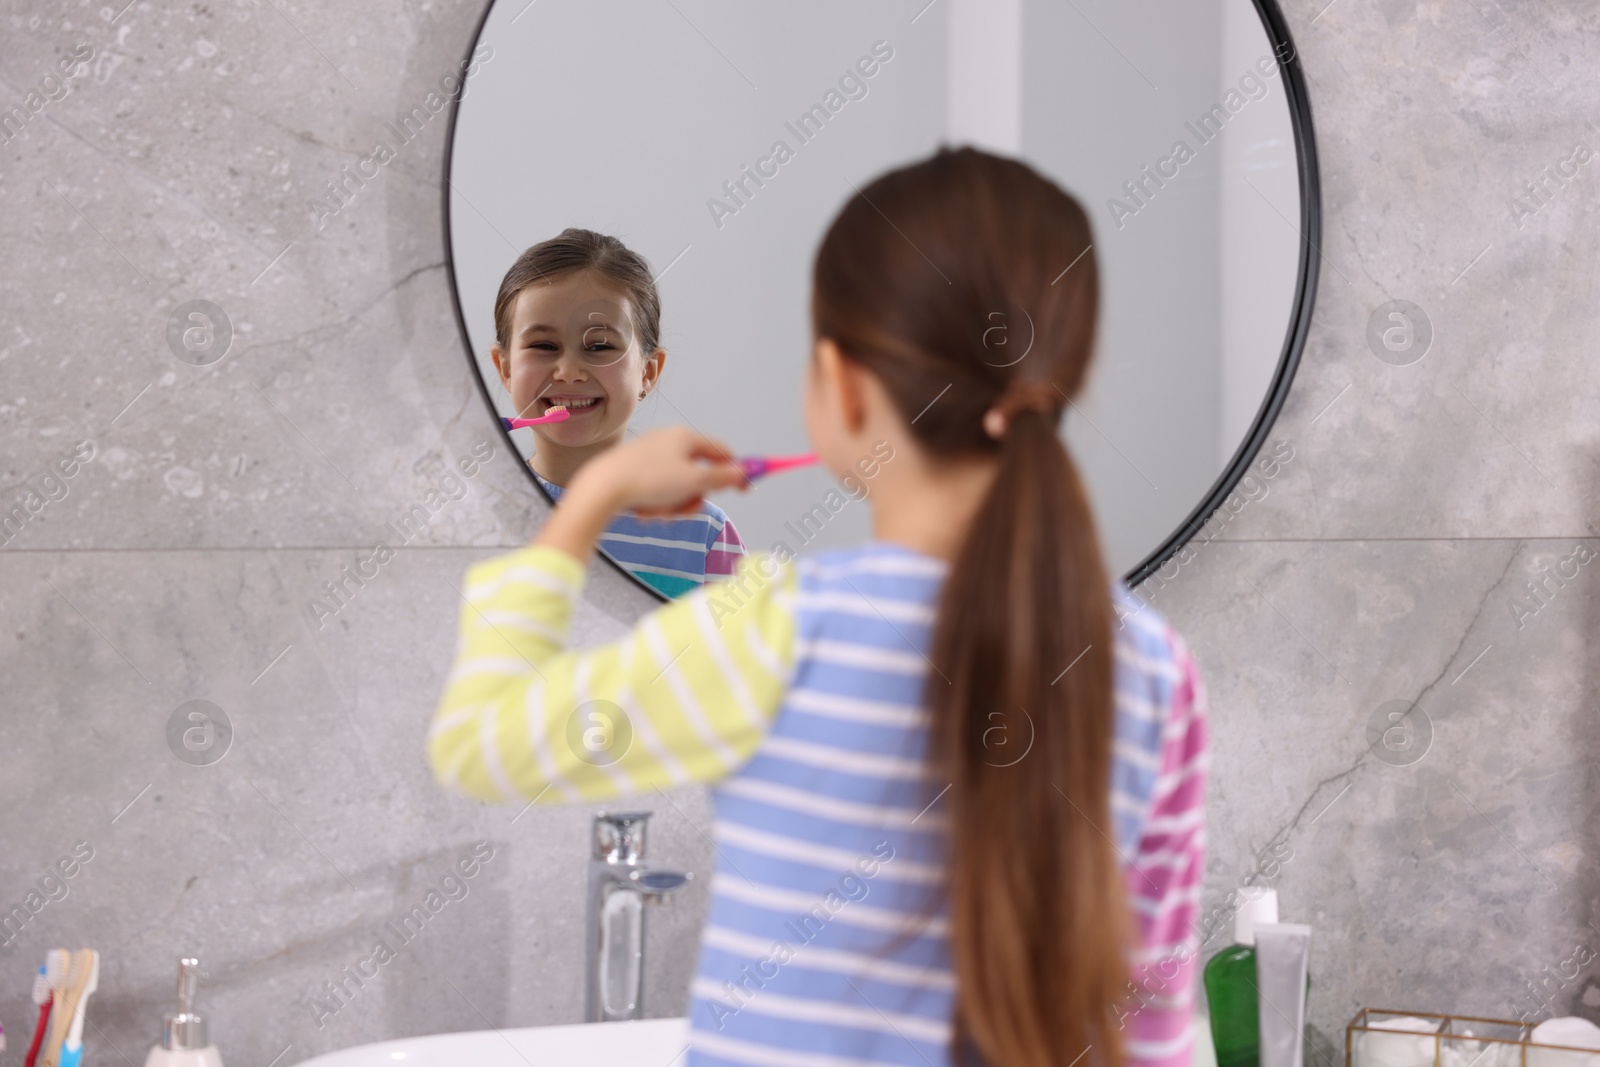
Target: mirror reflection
[
  {"x": 577, "y": 323},
  {"x": 632, "y": 231}
]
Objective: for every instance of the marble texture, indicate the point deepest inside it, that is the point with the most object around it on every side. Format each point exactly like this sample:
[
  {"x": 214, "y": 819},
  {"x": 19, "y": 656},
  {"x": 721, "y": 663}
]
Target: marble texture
[{"x": 186, "y": 557}]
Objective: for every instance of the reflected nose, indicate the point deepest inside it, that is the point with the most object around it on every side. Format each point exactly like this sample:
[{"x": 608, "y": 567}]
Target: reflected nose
[{"x": 568, "y": 367}]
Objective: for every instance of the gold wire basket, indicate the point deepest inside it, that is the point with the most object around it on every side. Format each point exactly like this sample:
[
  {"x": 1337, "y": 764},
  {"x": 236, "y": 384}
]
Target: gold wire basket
[{"x": 1457, "y": 1041}]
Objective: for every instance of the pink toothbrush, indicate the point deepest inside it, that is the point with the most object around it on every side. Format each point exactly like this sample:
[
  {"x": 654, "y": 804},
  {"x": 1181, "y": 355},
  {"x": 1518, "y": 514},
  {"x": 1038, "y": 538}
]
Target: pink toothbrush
[
  {"x": 557, "y": 413},
  {"x": 757, "y": 466}
]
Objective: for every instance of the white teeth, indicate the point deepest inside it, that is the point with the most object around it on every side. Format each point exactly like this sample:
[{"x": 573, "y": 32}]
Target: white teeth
[{"x": 588, "y": 402}]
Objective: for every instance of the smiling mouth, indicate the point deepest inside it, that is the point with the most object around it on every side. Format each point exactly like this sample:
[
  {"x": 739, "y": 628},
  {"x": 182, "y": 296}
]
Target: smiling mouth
[{"x": 576, "y": 404}]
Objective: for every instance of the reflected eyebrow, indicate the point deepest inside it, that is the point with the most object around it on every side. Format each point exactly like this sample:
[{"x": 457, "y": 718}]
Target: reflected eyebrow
[{"x": 540, "y": 327}]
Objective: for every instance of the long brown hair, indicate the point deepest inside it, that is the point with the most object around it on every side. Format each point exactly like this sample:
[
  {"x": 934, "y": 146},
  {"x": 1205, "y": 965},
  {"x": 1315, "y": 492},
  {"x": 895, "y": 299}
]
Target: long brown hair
[
  {"x": 573, "y": 250},
  {"x": 953, "y": 280}
]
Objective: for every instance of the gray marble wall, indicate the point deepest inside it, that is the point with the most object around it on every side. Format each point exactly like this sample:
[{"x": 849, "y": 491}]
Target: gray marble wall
[{"x": 185, "y": 559}]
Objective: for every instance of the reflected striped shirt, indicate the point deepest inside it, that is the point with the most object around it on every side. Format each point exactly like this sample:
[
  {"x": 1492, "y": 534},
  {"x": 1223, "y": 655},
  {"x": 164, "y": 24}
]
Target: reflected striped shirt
[
  {"x": 795, "y": 688},
  {"x": 671, "y": 555}
]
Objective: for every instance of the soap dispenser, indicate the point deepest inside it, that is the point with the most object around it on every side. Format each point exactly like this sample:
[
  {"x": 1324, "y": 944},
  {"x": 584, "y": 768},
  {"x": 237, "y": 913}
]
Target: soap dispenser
[
  {"x": 183, "y": 1035},
  {"x": 1230, "y": 980}
]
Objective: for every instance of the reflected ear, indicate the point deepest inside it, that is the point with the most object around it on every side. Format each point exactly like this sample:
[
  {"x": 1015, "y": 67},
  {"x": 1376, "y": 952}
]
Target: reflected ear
[
  {"x": 502, "y": 363},
  {"x": 653, "y": 367}
]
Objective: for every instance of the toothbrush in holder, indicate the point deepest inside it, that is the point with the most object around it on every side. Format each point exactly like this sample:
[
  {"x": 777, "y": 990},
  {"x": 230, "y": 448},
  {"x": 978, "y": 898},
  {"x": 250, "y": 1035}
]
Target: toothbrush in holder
[
  {"x": 557, "y": 413},
  {"x": 87, "y": 963},
  {"x": 759, "y": 466},
  {"x": 42, "y": 986},
  {"x": 52, "y": 977}
]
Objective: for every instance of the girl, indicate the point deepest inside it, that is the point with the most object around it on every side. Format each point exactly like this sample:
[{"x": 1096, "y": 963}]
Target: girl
[
  {"x": 959, "y": 770},
  {"x": 577, "y": 322}
]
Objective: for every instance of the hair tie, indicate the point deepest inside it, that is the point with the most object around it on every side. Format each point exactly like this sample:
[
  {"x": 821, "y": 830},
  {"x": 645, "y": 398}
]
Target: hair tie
[{"x": 1043, "y": 397}]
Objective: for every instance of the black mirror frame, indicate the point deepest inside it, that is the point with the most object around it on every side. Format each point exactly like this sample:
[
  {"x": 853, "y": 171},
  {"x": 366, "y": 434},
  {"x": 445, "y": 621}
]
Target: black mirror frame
[
  {"x": 1305, "y": 296},
  {"x": 1299, "y": 103}
]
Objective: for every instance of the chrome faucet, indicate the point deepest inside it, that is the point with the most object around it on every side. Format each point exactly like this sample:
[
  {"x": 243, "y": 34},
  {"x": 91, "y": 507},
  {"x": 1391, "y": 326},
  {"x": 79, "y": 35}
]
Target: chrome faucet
[{"x": 620, "y": 886}]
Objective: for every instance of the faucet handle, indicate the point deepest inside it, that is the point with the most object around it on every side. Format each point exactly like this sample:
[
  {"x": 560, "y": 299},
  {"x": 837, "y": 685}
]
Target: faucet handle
[
  {"x": 619, "y": 836},
  {"x": 660, "y": 886}
]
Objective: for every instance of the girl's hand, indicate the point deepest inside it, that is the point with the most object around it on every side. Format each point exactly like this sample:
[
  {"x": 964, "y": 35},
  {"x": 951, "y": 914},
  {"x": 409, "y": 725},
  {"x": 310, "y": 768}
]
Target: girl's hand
[
  {"x": 664, "y": 472},
  {"x": 660, "y": 473}
]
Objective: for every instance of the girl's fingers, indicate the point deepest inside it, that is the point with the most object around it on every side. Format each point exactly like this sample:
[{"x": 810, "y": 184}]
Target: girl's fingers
[{"x": 703, "y": 447}]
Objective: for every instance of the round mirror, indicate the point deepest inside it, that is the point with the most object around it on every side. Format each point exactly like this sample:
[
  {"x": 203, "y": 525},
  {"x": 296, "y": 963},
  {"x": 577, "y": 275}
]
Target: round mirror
[{"x": 714, "y": 141}]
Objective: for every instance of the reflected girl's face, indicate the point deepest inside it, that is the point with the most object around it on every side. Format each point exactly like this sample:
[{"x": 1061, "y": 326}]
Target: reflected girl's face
[{"x": 572, "y": 341}]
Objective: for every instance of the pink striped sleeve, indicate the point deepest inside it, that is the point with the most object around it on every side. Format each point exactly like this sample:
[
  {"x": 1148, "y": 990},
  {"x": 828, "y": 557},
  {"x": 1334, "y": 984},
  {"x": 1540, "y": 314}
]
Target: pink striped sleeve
[
  {"x": 723, "y": 556},
  {"x": 1165, "y": 879}
]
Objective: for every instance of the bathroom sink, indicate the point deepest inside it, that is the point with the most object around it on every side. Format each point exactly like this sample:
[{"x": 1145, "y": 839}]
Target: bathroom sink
[{"x": 657, "y": 1042}]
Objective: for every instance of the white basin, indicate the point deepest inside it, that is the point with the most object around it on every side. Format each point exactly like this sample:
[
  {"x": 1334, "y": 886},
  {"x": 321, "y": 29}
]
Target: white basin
[{"x": 657, "y": 1042}]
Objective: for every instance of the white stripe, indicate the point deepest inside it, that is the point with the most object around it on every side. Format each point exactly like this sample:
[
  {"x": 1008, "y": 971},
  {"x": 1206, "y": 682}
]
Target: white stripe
[
  {"x": 820, "y": 805},
  {"x": 769, "y": 660},
  {"x": 1157, "y": 1050},
  {"x": 519, "y": 620},
  {"x": 695, "y": 543},
  {"x": 1146, "y": 618},
  {"x": 1166, "y": 784},
  {"x": 498, "y": 666},
  {"x": 732, "y": 680},
  {"x": 1176, "y": 728},
  {"x": 1175, "y": 824},
  {"x": 856, "y": 709},
  {"x": 840, "y": 759},
  {"x": 449, "y": 722},
  {"x": 1155, "y": 909},
  {"x": 832, "y": 1013},
  {"x": 815, "y": 958},
  {"x": 1164, "y": 1002},
  {"x": 799, "y": 905},
  {"x": 842, "y": 859},
  {"x": 1183, "y": 953},
  {"x": 1163, "y": 857},
  {"x": 485, "y": 589},
  {"x": 729, "y": 1048},
  {"x": 533, "y": 708},
  {"x": 644, "y": 729},
  {"x": 1138, "y": 707},
  {"x": 1147, "y": 665},
  {"x": 651, "y": 630},
  {"x": 580, "y": 697},
  {"x": 861, "y": 604},
  {"x": 492, "y": 766},
  {"x": 866, "y": 657},
  {"x": 1129, "y": 752},
  {"x": 452, "y": 770},
  {"x": 1123, "y": 801},
  {"x": 911, "y": 563},
  {"x": 1178, "y": 1000}
]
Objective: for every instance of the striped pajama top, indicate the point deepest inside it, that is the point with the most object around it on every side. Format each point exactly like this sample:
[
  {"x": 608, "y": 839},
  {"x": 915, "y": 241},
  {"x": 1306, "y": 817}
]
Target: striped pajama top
[
  {"x": 794, "y": 687},
  {"x": 673, "y": 554}
]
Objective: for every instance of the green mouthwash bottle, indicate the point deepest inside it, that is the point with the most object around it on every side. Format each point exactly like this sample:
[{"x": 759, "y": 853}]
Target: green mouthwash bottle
[{"x": 1230, "y": 978}]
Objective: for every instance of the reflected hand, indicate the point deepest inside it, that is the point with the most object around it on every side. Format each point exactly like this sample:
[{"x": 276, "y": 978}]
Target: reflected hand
[{"x": 664, "y": 472}]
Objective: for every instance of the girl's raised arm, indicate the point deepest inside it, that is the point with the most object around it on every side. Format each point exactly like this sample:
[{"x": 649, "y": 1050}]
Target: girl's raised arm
[{"x": 685, "y": 696}]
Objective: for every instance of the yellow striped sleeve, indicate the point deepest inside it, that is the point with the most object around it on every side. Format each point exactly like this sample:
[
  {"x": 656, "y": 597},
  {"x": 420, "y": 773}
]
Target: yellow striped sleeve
[{"x": 686, "y": 696}]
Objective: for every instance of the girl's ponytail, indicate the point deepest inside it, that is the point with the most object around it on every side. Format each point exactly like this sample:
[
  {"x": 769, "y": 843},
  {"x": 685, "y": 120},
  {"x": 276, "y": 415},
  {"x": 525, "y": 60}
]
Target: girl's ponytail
[
  {"x": 1023, "y": 732},
  {"x": 1022, "y": 702}
]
